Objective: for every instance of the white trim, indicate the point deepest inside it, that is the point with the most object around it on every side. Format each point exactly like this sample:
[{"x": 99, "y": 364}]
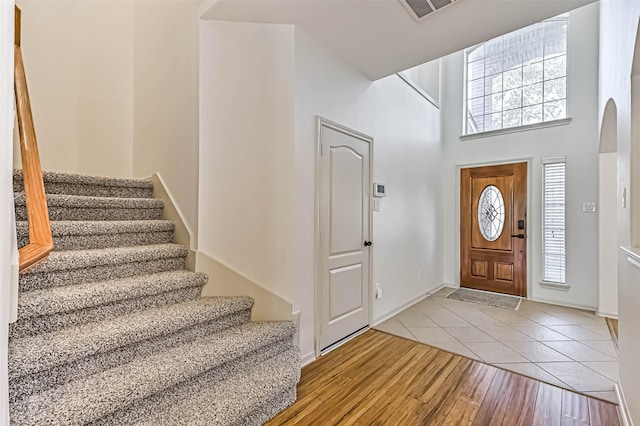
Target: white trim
[
  {"x": 246, "y": 277},
  {"x": 623, "y": 407},
  {"x": 633, "y": 253},
  {"x": 295, "y": 318},
  {"x": 517, "y": 129},
  {"x": 415, "y": 87},
  {"x": 192, "y": 237},
  {"x": 8, "y": 243},
  {"x": 607, "y": 314},
  {"x": 565, "y": 304},
  {"x": 554, "y": 286},
  {"x": 307, "y": 359},
  {"x": 321, "y": 121},
  {"x": 344, "y": 340},
  {"x": 392, "y": 313}
]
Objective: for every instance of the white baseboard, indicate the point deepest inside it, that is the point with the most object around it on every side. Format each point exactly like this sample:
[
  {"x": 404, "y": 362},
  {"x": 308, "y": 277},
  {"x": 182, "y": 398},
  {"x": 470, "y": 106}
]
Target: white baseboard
[
  {"x": 565, "y": 304},
  {"x": 607, "y": 314},
  {"x": 623, "y": 408},
  {"x": 173, "y": 211},
  {"x": 307, "y": 359},
  {"x": 295, "y": 317},
  {"x": 382, "y": 318}
]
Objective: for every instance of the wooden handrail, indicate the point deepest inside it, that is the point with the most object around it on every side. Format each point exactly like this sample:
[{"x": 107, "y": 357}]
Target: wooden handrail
[{"x": 40, "y": 239}]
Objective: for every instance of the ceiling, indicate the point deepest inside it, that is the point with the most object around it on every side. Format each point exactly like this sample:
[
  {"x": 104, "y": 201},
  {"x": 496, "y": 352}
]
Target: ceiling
[{"x": 380, "y": 37}]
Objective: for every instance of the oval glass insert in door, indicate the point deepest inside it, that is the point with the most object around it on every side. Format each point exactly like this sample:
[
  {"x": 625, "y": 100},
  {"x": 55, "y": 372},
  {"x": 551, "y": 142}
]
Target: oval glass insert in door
[{"x": 491, "y": 213}]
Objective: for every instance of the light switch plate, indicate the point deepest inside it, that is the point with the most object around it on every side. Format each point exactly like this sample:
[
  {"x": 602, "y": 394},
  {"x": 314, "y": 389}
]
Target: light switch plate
[{"x": 588, "y": 207}]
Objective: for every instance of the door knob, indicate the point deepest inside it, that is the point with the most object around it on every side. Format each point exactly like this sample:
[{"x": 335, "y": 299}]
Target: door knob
[
  {"x": 521, "y": 236},
  {"x": 367, "y": 243}
]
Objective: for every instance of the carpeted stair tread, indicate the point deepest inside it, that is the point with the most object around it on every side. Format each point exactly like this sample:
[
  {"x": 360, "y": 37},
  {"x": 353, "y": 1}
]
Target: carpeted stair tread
[
  {"x": 33, "y": 354},
  {"x": 74, "y": 235},
  {"x": 235, "y": 399},
  {"x": 78, "y": 207},
  {"x": 69, "y": 183},
  {"x": 81, "y": 259},
  {"x": 90, "y": 398},
  {"x": 29, "y": 384},
  {"x": 81, "y": 296}
]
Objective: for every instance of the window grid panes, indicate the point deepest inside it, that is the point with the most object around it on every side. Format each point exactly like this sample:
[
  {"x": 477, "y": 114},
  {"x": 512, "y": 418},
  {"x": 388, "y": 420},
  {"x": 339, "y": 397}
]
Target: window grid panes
[
  {"x": 553, "y": 222},
  {"x": 518, "y": 79}
]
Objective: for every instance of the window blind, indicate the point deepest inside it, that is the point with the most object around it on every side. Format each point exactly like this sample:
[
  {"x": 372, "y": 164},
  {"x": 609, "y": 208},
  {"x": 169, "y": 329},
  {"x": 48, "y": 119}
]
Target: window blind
[{"x": 553, "y": 221}]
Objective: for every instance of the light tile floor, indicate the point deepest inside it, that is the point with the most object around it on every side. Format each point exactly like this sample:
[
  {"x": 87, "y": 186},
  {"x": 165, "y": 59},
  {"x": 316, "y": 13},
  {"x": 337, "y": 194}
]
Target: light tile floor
[{"x": 567, "y": 347}]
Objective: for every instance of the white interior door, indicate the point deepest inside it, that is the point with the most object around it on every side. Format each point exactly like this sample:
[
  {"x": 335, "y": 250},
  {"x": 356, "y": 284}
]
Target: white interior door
[{"x": 344, "y": 227}]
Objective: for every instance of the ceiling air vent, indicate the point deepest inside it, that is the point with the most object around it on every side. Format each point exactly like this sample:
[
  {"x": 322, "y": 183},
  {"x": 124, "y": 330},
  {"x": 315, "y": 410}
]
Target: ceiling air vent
[{"x": 421, "y": 8}]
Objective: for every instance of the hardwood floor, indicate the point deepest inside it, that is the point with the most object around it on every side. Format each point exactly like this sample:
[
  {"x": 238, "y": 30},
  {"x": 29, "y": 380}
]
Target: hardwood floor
[{"x": 380, "y": 379}]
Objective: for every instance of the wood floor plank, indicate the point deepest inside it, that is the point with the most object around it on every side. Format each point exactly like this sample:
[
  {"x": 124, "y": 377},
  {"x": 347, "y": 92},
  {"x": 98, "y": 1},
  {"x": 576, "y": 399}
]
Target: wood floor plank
[
  {"x": 478, "y": 385},
  {"x": 362, "y": 388},
  {"x": 405, "y": 364},
  {"x": 602, "y": 413},
  {"x": 548, "y": 410},
  {"x": 434, "y": 372},
  {"x": 575, "y": 406},
  {"x": 494, "y": 405},
  {"x": 392, "y": 401},
  {"x": 379, "y": 379},
  {"x": 442, "y": 399},
  {"x": 462, "y": 414},
  {"x": 522, "y": 402},
  {"x": 411, "y": 407}
]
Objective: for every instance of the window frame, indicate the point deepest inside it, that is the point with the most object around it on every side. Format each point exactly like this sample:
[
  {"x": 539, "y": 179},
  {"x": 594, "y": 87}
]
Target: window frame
[
  {"x": 522, "y": 127},
  {"x": 545, "y": 279}
]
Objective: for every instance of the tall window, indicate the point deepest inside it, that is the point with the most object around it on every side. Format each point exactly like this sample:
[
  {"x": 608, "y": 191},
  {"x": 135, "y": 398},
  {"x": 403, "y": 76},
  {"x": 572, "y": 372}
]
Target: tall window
[
  {"x": 517, "y": 79},
  {"x": 553, "y": 221}
]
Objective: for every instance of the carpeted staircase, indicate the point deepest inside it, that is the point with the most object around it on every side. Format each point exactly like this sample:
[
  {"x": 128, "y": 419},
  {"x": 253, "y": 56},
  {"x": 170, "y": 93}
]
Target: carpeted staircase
[{"x": 112, "y": 330}]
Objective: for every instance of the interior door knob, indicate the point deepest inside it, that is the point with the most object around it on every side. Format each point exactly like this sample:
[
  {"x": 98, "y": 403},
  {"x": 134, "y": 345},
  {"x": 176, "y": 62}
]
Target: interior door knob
[{"x": 367, "y": 243}]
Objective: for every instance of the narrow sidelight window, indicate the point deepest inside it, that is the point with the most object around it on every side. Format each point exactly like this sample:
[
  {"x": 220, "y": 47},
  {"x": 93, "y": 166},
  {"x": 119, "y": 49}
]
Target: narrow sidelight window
[{"x": 554, "y": 252}]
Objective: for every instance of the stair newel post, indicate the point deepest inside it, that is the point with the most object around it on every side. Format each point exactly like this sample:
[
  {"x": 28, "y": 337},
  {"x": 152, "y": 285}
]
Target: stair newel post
[{"x": 40, "y": 239}]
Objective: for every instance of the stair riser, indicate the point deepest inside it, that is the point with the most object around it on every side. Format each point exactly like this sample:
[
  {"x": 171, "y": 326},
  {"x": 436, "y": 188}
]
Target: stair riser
[
  {"x": 36, "y": 281},
  {"x": 144, "y": 408},
  {"x": 270, "y": 408},
  {"x": 88, "y": 190},
  {"x": 20, "y": 387},
  {"x": 49, "y": 323},
  {"x": 82, "y": 242},
  {"x": 74, "y": 213}
]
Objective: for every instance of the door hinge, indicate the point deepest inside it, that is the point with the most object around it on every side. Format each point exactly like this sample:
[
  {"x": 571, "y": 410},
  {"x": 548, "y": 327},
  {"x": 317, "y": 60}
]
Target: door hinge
[{"x": 321, "y": 149}]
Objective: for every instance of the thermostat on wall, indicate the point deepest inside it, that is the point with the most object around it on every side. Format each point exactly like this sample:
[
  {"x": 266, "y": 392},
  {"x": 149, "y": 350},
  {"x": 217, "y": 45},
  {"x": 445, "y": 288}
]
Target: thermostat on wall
[{"x": 379, "y": 190}]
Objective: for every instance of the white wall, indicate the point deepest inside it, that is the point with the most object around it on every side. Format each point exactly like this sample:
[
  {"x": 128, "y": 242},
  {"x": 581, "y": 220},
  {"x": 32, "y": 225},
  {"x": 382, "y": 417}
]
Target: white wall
[
  {"x": 578, "y": 141},
  {"x": 618, "y": 44},
  {"x": 165, "y": 99},
  {"x": 406, "y": 131},
  {"x": 262, "y": 88},
  {"x": 607, "y": 236},
  {"x": 246, "y": 150},
  {"x": 114, "y": 90},
  {"x": 427, "y": 78},
  {"x": 78, "y": 59},
  {"x": 7, "y": 233}
]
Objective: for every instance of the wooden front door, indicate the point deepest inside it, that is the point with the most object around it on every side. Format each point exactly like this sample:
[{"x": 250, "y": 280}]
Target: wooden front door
[{"x": 493, "y": 235}]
